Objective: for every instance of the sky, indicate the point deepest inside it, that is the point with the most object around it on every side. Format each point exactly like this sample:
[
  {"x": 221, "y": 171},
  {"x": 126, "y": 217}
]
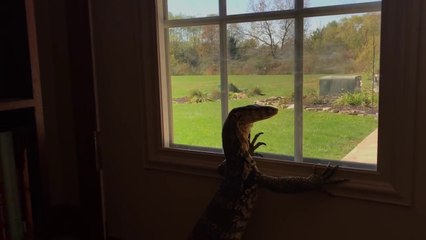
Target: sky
[{"x": 201, "y": 8}]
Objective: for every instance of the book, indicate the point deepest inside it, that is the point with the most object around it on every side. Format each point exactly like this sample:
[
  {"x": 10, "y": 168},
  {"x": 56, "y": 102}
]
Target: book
[
  {"x": 3, "y": 227},
  {"x": 10, "y": 187},
  {"x": 25, "y": 190}
]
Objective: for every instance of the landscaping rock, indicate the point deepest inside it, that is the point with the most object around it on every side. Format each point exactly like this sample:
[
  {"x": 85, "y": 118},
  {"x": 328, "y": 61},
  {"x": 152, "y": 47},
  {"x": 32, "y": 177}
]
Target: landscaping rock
[{"x": 324, "y": 106}]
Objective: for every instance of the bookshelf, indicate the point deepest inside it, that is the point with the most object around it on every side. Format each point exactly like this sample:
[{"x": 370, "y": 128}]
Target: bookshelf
[
  {"x": 15, "y": 104},
  {"x": 21, "y": 122},
  {"x": 47, "y": 102}
]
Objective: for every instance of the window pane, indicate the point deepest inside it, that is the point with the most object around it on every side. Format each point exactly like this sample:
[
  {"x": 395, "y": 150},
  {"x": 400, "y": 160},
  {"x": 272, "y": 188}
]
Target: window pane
[
  {"x": 179, "y": 9},
  {"x": 341, "y": 66},
  {"x": 195, "y": 85},
  {"x": 251, "y": 6},
  {"x": 321, "y": 3},
  {"x": 260, "y": 68},
  {"x": 340, "y": 89}
]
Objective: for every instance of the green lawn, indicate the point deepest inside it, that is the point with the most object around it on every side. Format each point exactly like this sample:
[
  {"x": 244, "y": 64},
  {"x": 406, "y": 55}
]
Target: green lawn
[
  {"x": 271, "y": 85},
  {"x": 326, "y": 135}
]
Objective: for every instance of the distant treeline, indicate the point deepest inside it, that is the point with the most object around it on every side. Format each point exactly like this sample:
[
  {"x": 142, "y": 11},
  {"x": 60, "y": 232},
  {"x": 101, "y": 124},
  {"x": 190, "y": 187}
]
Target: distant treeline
[{"x": 349, "y": 45}]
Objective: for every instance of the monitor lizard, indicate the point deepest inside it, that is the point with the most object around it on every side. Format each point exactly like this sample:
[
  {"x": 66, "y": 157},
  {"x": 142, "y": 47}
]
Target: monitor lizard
[{"x": 227, "y": 214}]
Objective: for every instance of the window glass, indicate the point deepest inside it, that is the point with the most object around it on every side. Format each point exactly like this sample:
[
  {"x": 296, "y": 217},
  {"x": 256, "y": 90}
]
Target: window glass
[
  {"x": 341, "y": 66},
  {"x": 252, "y": 6},
  {"x": 321, "y": 3},
  {"x": 260, "y": 68},
  {"x": 328, "y": 111},
  {"x": 195, "y": 85},
  {"x": 181, "y": 9}
]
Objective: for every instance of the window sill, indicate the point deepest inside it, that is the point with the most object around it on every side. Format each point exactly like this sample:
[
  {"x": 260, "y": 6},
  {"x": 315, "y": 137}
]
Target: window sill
[{"x": 363, "y": 184}]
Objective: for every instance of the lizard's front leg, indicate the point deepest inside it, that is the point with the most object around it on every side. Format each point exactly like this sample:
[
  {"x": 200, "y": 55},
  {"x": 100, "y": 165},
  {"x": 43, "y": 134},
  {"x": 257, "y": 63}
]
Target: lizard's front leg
[
  {"x": 299, "y": 184},
  {"x": 253, "y": 145}
]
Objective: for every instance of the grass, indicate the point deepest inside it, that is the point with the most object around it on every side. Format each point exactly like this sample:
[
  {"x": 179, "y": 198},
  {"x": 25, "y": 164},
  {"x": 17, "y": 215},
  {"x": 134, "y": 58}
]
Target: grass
[
  {"x": 326, "y": 135},
  {"x": 271, "y": 85},
  {"x": 332, "y": 136}
]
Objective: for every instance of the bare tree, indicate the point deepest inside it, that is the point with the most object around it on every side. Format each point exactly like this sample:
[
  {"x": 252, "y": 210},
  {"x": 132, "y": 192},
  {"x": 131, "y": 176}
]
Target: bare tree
[{"x": 274, "y": 34}]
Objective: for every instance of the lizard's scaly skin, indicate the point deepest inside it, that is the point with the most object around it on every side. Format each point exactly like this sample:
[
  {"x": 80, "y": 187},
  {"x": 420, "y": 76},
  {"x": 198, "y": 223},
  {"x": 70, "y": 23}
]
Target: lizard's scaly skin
[{"x": 227, "y": 214}]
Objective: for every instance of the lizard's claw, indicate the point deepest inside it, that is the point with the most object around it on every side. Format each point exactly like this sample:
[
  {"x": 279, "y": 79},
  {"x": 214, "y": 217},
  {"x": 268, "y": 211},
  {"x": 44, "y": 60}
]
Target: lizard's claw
[
  {"x": 253, "y": 145},
  {"x": 326, "y": 177},
  {"x": 255, "y": 137}
]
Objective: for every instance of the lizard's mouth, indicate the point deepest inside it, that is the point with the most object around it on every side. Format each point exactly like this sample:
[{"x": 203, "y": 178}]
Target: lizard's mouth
[
  {"x": 252, "y": 113},
  {"x": 244, "y": 117}
]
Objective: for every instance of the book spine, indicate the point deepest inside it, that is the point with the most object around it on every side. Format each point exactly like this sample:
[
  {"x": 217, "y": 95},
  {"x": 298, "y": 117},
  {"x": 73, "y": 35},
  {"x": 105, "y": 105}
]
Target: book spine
[
  {"x": 26, "y": 195},
  {"x": 15, "y": 230},
  {"x": 3, "y": 225}
]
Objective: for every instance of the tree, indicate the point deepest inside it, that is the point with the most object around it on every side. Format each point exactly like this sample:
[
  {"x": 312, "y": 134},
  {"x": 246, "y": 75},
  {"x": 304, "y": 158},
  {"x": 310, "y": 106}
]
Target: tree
[
  {"x": 275, "y": 34},
  {"x": 234, "y": 52},
  {"x": 208, "y": 49},
  {"x": 183, "y": 49},
  {"x": 349, "y": 45}
]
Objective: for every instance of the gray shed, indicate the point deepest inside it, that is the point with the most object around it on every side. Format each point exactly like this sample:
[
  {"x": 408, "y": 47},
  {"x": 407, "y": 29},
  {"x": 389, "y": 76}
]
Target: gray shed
[{"x": 337, "y": 84}]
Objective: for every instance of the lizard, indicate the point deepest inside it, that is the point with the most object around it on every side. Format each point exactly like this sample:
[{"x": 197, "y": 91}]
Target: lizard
[{"x": 227, "y": 214}]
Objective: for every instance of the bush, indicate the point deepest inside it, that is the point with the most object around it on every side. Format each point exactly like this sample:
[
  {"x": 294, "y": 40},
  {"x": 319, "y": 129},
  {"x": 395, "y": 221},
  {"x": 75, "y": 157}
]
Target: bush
[
  {"x": 357, "y": 99},
  {"x": 233, "y": 88},
  {"x": 196, "y": 96},
  {"x": 255, "y": 92},
  {"x": 312, "y": 97}
]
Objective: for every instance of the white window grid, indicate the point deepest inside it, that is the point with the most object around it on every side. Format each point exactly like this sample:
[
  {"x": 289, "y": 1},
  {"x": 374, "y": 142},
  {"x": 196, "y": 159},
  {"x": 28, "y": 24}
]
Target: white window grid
[{"x": 298, "y": 13}]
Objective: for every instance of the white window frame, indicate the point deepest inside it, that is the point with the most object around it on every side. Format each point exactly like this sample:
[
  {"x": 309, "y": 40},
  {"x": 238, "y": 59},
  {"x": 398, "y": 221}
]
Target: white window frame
[
  {"x": 390, "y": 183},
  {"x": 298, "y": 13}
]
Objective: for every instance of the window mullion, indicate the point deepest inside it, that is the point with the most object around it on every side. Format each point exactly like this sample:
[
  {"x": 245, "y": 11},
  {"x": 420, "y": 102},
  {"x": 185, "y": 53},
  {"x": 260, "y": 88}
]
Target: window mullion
[
  {"x": 298, "y": 83},
  {"x": 165, "y": 83},
  {"x": 167, "y": 89},
  {"x": 223, "y": 60}
]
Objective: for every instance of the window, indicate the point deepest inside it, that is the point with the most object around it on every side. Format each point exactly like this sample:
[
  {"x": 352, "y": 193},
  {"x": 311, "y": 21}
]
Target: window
[
  {"x": 317, "y": 61},
  {"x": 390, "y": 181}
]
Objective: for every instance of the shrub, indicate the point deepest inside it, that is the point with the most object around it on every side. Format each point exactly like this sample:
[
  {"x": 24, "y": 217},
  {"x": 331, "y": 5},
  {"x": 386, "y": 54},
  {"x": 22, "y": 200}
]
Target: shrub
[
  {"x": 196, "y": 96},
  {"x": 357, "y": 99},
  {"x": 233, "y": 88},
  {"x": 255, "y": 92},
  {"x": 312, "y": 97}
]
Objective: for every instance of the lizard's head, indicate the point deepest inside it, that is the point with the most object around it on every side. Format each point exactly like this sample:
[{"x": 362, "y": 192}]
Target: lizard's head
[
  {"x": 240, "y": 120},
  {"x": 249, "y": 114}
]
